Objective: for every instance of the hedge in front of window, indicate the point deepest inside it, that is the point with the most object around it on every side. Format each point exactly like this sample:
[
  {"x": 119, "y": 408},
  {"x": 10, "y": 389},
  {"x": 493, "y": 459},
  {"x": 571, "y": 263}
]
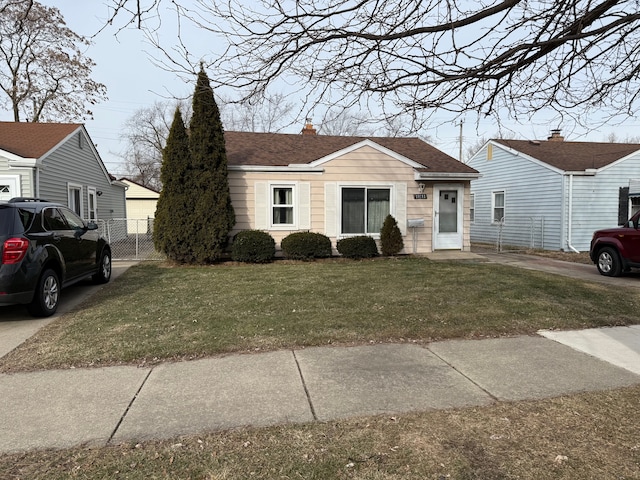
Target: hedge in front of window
[
  {"x": 253, "y": 246},
  {"x": 306, "y": 246},
  {"x": 362, "y": 246}
]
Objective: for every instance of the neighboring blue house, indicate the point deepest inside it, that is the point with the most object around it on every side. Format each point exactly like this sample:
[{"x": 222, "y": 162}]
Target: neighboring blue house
[
  {"x": 552, "y": 194},
  {"x": 58, "y": 162}
]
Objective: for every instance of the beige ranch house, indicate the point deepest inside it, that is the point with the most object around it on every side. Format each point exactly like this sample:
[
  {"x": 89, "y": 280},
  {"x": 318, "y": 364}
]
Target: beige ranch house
[{"x": 346, "y": 186}]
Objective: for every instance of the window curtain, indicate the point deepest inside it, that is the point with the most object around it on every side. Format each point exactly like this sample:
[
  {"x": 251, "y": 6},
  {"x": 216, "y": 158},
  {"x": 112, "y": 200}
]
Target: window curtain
[
  {"x": 377, "y": 209},
  {"x": 283, "y": 214},
  {"x": 353, "y": 210}
]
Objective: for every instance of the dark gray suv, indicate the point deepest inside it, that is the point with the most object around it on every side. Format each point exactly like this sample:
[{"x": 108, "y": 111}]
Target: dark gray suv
[{"x": 45, "y": 247}]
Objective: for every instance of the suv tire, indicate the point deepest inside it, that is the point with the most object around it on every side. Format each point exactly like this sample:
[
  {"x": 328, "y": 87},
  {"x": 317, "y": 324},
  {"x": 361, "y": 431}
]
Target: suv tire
[
  {"x": 608, "y": 262},
  {"x": 47, "y": 295},
  {"x": 104, "y": 270}
]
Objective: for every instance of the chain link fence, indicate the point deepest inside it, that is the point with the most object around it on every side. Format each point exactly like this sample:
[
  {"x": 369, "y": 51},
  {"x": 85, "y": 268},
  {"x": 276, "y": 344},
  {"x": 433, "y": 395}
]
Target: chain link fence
[
  {"x": 511, "y": 234},
  {"x": 130, "y": 239}
]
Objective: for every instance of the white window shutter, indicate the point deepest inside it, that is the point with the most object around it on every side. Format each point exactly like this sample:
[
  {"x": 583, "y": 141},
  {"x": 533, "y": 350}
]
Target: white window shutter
[
  {"x": 304, "y": 205},
  {"x": 261, "y": 200},
  {"x": 330, "y": 209},
  {"x": 401, "y": 206}
]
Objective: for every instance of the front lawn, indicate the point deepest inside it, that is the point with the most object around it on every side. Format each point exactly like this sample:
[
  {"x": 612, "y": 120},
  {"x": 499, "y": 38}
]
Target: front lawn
[{"x": 157, "y": 312}]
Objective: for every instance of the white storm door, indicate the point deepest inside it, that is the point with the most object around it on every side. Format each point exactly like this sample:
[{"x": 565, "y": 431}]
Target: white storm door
[{"x": 447, "y": 217}]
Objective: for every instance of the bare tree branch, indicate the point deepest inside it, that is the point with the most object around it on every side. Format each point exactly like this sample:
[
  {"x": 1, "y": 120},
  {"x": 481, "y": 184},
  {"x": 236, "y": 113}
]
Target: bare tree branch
[{"x": 418, "y": 57}]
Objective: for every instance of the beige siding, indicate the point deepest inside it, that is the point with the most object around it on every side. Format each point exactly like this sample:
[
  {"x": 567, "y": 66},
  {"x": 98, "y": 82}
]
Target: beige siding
[{"x": 365, "y": 166}]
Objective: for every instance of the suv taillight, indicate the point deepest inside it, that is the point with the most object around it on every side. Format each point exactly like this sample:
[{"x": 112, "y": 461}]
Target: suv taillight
[{"x": 14, "y": 250}]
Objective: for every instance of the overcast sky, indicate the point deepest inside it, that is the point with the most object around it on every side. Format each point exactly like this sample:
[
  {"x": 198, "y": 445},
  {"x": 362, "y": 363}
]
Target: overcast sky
[{"x": 133, "y": 82}]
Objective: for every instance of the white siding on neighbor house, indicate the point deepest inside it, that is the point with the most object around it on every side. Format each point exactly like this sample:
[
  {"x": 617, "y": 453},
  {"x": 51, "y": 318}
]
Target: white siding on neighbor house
[
  {"x": 532, "y": 190},
  {"x": 365, "y": 166},
  {"x": 595, "y": 199},
  {"x": 71, "y": 164}
]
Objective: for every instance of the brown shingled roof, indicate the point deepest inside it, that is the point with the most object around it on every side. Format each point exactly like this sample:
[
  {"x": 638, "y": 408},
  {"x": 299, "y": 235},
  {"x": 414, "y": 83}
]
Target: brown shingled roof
[
  {"x": 33, "y": 140},
  {"x": 572, "y": 156},
  {"x": 277, "y": 149}
]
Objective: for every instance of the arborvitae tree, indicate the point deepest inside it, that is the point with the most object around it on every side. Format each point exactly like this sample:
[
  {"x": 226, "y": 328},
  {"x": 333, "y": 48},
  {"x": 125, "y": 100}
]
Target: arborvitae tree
[
  {"x": 211, "y": 215},
  {"x": 390, "y": 237},
  {"x": 170, "y": 233}
]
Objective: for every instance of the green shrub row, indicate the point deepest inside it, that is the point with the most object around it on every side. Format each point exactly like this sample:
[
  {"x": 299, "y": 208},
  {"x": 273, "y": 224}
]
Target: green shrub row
[{"x": 257, "y": 246}]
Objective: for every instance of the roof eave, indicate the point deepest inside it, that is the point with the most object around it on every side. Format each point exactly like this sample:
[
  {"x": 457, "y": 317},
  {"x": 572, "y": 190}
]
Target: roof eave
[
  {"x": 292, "y": 168},
  {"x": 445, "y": 176}
]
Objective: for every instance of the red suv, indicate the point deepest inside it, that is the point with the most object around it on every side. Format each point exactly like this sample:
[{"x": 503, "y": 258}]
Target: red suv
[{"x": 617, "y": 250}]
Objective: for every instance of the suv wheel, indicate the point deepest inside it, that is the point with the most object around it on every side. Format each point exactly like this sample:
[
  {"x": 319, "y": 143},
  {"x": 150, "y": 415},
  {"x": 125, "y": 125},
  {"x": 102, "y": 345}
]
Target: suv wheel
[
  {"x": 609, "y": 263},
  {"x": 104, "y": 272},
  {"x": 47, "y": 294}
]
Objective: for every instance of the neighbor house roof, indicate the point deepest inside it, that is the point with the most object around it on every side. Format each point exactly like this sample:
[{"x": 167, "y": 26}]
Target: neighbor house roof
[
  {"x": 572, "y": 156},
  {"x": 33, "y": 140},
  {"x": 277, "y": 149}
]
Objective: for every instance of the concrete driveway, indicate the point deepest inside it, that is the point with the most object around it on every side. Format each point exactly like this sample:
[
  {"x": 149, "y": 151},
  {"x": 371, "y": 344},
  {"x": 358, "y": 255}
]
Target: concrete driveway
[{"x": 16, "y": 325}]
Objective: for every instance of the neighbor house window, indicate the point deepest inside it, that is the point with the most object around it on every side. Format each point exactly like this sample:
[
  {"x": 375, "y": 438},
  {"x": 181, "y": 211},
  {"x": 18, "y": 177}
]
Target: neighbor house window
[
  {"x": 635, "y": 205},
  {"x": 282, "y": 205},
  {"x": 75, "y": 198},
  {"x": 472, "y": 207},
  {"x": 92, "y": 205},
  {"x": 497, "y": 202},
  {"x": 364, "y": 209}
]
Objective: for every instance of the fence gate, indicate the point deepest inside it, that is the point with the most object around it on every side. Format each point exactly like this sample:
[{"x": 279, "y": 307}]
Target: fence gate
[{"x": 520, "y": 233}]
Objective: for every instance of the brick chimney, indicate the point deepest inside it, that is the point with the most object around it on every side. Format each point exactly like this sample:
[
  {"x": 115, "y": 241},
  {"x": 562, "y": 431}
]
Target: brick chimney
[
  {"x": 308, "y": 128},
  {"x": 555, "y": 136}
]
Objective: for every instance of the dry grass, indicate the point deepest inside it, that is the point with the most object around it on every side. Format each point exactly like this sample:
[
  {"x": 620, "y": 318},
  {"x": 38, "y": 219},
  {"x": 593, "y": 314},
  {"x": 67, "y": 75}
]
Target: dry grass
[
  {"x": 154, "y": 313},
  {"x": 580, "y": 437}
]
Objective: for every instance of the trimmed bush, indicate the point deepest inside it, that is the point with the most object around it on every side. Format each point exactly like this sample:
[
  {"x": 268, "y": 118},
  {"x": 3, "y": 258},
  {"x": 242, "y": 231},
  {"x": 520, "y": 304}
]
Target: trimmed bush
[
  {"x": 253, "y": 246},
  {"x": 390, "y": 237},
  {"x": 361, "y": 246},
  {"x": 306, "y": 246}
]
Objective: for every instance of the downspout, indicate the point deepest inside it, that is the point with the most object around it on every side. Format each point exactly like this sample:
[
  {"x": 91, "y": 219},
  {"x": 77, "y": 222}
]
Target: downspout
[
  {"x": 570, "y": 215},
  {"x": 589, "y": 172},
  {"x": 36, "y": 181}
]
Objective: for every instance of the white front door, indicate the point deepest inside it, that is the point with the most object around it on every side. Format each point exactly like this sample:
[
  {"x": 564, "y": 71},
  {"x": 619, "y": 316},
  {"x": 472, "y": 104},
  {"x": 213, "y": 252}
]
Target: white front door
[
  {"x": 447, "y": 217},
  {"x": 9, "y": 187}
]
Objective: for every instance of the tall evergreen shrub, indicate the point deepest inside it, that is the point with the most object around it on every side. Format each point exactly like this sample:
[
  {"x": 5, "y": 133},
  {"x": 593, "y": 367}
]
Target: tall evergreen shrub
[
  {"x": 170, "y": 232},
  {"x": 390, "y": 237}
]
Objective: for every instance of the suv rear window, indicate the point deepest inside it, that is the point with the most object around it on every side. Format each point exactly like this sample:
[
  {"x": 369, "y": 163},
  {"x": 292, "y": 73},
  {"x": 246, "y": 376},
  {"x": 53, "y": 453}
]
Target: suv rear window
[{"x": 8, "y": 224}]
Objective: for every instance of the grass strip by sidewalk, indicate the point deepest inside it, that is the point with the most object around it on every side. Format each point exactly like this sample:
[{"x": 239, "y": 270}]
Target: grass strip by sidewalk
[
  {"x": 578, "y": 437},
  {"x": 156, "y": 312}
]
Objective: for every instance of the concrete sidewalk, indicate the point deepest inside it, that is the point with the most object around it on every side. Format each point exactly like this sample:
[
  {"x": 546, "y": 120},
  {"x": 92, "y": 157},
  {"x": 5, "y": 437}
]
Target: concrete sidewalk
[{"x": 64, "y": 408}]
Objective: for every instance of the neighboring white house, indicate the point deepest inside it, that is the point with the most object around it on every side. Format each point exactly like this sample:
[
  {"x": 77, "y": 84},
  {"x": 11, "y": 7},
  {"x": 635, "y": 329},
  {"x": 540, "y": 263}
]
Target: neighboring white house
[
  {"x": 141, "y": 206},
  {"x": 58, "y": 162},
  {"x": 345, "y": 186},
  {"x": 552, "y": 194}
]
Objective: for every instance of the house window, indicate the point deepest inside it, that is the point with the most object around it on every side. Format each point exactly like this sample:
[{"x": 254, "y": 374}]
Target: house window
[
  {"x": 364, "y": 209},
  {"x": 75, "y": 198},
  {"x": 497, "y": 206},
  {"x": 472, "y": 207},
  {"x": 92, "y": 205},
  {"x": 635, "y": 205},
  {"x": 282, "y": 205}
]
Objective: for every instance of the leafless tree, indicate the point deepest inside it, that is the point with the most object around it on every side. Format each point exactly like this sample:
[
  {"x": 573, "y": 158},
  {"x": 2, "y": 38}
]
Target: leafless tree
[
  {"x": 422, "y": 56},
  {"x": 145, "y": 134},
  {"x": 43, "y": 73},
  {"x": 613, "y": 138},
  {"x": 146, "y": 131},
  {"x": 272, "y": 114}
]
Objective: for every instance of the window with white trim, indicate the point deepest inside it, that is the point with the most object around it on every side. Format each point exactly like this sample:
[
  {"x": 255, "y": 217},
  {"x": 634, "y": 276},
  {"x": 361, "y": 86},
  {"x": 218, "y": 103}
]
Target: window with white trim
[
  {"x": 92, "y": 204},
  {"x": 75, "y": 198},
  {"x": 472, "y": 207},
  {"x": 497, "y": 206},
  {"x": 364, "y": 209},
  {"x": 282, "y": 202}
]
